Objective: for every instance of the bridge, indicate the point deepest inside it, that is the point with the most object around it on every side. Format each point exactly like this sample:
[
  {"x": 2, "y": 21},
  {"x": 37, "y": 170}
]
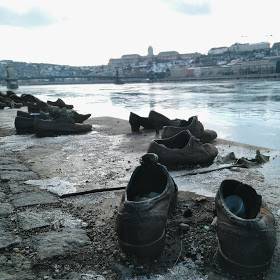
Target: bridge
[
  {"x": 53, "y": 78},
  {"x": 59, "y": 77}
]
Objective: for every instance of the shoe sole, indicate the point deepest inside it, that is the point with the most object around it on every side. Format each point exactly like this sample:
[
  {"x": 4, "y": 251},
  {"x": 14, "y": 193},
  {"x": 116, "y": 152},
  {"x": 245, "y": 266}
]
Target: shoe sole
[
  {"x": 237, "y": 268},
  {"x": 173, "y": 204},
  {"x": 150, "y": 250}
]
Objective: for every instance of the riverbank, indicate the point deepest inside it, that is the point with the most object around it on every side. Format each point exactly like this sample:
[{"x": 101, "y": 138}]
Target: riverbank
[
  {"x": 45, "y": 230},
  {"x": 127, "y": 80}
]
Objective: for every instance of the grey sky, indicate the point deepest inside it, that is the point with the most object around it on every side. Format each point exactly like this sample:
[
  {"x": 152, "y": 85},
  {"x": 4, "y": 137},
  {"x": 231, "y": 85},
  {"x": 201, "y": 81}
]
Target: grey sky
[
  {"x": 90, "y": 32},
  {"x": 32, "y": 18},
  {"x": 190, "y": 8}
]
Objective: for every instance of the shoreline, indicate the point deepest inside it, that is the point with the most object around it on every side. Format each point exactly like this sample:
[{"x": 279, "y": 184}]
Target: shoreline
[
  {"x": 106, "y": 157},
  {"x": 252, "y": 77}
]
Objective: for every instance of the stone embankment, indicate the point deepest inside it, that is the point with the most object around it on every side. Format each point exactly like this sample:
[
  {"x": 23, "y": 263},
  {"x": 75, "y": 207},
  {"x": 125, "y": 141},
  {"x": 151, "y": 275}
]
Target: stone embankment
[{"x": 43, "y": 236}]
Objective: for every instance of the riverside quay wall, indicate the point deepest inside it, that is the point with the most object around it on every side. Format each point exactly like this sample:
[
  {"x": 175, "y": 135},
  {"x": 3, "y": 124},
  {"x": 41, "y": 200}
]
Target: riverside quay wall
[
  {"x": 254, "y": 69},
  {"x": 259, "y": 69}
]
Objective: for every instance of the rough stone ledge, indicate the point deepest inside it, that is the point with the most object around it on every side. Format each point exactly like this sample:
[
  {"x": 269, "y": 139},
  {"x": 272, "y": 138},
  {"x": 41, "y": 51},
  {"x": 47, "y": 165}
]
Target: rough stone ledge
[
  {"x": 13, "y": 167},
  {"x": 7, "y": 238},
  {"x": 7, "y": 176},
  {"x": 21, "y": 188},
  {"x": 6, "y": 209},
  {"x": 53, "y": 244},
  {"x": 55, "y": 218},
  {"x": 33, "y": 198}
]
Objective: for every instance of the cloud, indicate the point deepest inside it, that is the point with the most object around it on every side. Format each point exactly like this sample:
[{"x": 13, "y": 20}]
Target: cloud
[
  {"x": 188, "y": 7},
  {"x": 32, "y": 18}
]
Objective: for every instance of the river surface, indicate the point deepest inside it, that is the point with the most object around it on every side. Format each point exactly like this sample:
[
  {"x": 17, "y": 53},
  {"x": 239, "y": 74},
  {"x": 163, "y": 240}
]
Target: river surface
[{"x": 243, "y": 111}]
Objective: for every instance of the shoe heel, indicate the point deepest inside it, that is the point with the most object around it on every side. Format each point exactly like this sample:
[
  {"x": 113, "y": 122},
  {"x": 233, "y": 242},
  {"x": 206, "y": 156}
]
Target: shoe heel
[
  {"x": 134, "y": 122},
  {"x": 151, "y": 250},
  {"x": 135, "y": 128}
]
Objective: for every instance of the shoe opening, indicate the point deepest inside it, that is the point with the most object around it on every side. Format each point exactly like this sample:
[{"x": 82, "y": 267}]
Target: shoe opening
[
  {"x": 147, "y": 182},
  {"x": 178, "y": 141},
  {"x": 185, "y": 123},
  {"x": 241, "y": 199}
]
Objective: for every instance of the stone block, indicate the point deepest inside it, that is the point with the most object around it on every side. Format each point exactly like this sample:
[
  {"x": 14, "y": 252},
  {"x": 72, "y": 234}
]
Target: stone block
[
  {"x": 33, "y": 198},
  {"x": 53, "y": 244},
  {"x": 7, "y": 238},
  {"x": 5, "y": 209},
  {"x": 6, "y": 176}
]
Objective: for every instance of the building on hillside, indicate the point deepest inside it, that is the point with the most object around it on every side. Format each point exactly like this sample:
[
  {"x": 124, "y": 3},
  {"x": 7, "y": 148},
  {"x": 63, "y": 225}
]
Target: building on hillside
[
  {"x": 168, "y": 56},
  {"x": 238, "y": 48},
  {"x": 189, "y": 56},
  {"x": 115, "y": 62},
  {"x": 218, "y": 51},
  {"x": 130, "y": 58},
  {"x": 275, "y": 50}
]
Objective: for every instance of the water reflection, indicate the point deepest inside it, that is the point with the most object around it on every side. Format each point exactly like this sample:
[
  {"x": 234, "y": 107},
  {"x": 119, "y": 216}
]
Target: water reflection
[{"x": 245, "y": 111}]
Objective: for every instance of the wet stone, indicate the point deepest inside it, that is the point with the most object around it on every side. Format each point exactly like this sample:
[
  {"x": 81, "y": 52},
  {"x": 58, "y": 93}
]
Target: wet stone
[
  {"x": 28, "y": 220},
  {"x": 13, "y": 167},
  {"x": 7, "y": 238},
  {"x": 32, "y": 220},
  {"x": 19, "y": 188},
  {"x": 2, "y": 197},
  {"x": 184, "y": 227},
  {"x": 52, "y": 244},
  {"x": 33, "y": 198},
  {"x": 187, "y": 212},
  {"x": 18, "y": 275},
  {"x": 17, "y": 175},
  {"x": 16, "y": 261},
  {"x": 54, "y": 185},
  {"x": 83, "y": 276},
  {"x": 5, "y": 209},
  {"x": 122, "y": 271},
  {"x": 4, "y": 161}
]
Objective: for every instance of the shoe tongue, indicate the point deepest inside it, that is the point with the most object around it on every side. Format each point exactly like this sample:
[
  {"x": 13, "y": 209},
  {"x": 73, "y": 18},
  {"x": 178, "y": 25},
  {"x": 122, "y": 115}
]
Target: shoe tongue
[
  {"x": 149, "y": 158},
  {"x": 183, "y": 123},
  {"x": 192, "y": 140}
]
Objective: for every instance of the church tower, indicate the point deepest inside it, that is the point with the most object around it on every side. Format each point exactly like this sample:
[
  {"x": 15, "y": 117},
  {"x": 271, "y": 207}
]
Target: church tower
[{"x": 150, "y": 51}]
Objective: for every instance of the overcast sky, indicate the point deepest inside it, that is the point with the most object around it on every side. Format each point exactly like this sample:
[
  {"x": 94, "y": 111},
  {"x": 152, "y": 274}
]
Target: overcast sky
[{"x": 89, "y": 32}]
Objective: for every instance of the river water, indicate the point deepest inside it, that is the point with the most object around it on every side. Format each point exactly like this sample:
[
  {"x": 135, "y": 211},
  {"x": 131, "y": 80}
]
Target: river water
[{"x": 243, "y": 111}]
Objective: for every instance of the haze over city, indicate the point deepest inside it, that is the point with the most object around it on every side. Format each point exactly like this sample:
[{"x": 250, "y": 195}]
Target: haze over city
[{"x": 91, "y": 32}]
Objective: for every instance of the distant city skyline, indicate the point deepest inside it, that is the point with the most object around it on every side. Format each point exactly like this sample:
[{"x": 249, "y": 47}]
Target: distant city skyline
[{"x": 90, "y": 32}]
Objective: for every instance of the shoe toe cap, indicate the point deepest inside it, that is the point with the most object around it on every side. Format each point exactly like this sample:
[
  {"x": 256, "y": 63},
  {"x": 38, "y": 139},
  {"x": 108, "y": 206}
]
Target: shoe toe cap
[
  {"x": 211, "y": 150},
  {"x": 208, "y": 136}
]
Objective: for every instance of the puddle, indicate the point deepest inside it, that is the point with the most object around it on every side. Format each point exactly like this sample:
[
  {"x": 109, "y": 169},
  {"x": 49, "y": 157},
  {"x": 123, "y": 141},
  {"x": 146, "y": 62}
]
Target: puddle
[{"x": 54, "y": 185}]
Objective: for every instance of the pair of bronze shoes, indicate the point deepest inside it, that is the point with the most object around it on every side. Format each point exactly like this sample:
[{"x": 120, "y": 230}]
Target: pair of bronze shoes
[
  {"x": 183, "y": 142},
  {"x": 245, "y": 227},
  {"x": 170, "y": 128}
]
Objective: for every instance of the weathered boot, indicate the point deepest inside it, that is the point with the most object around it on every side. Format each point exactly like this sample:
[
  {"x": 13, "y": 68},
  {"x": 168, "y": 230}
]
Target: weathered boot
[
  {"x": 246, "y": 232},
  {"x": 183, "y": 149},
  {"x": 44, "y": 128},
  {"x": 149, "y": 197},
  {"x": 60, "y": 103},
  {"x": 158, "y": 120},
  {"x": 24, "y": 122},
  {"x": 80, "y": 118},
  {"x": 136, "y": 122},
  {"x": 194, "y": 126}
]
